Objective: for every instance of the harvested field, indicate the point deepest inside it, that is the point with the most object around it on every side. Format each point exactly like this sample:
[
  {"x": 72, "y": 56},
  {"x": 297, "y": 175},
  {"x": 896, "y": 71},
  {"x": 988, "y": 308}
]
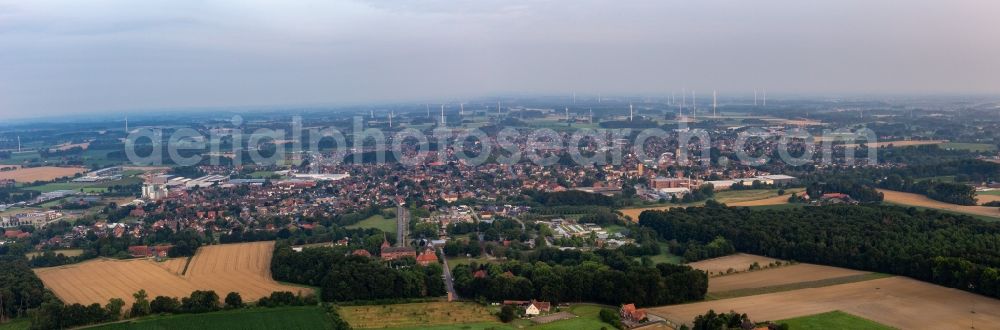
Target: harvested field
[
  {"x": 923, "y": 201},
  {"x": 986, "y": 198},
  {"x": 634, "y": 213},
  {"x": 776, "y": 200},
  {"x": 44, "y": 173},
  {"x": 243, "y": 268},
  {"x": 759, "y": 197},
  {"x": 738, "y": 262},
  {"x": 174, "y": 265},
  {"x": 899, "y": 302},
  {"x": 778, "y": 276},
  {"x": 67, "y": 146}
]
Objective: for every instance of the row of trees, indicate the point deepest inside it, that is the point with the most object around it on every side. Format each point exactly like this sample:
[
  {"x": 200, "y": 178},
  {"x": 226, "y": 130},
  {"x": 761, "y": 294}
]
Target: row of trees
[
  {"x": 350, "y": 278},
  {"x": 948, "y": 192},
  {"x": 54, "y": 314},
  {"x": 605, "y": 276},
  {"x": 952, "y": 250}
]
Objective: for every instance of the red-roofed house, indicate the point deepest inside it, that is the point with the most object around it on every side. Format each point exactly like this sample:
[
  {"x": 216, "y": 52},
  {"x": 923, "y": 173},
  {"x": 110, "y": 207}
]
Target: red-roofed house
[
  {"x": 630, "y": 313},
  {"x": 427, "y": 257}
]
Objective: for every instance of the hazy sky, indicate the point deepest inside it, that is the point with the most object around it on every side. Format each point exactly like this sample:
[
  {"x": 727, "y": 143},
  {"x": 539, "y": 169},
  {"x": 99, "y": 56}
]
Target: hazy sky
[{"x": 74, "y": 56}]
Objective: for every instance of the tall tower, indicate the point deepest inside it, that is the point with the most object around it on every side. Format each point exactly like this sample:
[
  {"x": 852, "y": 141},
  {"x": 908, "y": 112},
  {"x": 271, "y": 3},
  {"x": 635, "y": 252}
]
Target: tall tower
[
  {"x": 442, "y": 115},
  {"x": 18, "y": 143},
  {"x": 461, "y": 109},
  {"x": 126, "y": 124},
  {"x": 765, "y": 97},
  {"x": 591, "y": 115},
  {"x": 428, "y": 110},
  {"x": 630, "y": 111},
  {"x": 498, "y": 109}
]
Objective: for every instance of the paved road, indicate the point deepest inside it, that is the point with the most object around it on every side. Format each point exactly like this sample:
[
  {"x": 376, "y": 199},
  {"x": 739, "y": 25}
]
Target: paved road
[{"x": 449, "y": 282}]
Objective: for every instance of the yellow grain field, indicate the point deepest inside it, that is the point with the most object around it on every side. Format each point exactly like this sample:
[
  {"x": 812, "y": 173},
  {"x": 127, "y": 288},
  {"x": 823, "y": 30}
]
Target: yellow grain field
[{"x": 243, "y": 268}]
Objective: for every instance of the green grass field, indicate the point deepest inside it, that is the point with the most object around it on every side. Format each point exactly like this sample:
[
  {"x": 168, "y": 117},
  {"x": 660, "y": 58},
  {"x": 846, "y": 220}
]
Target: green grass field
[
  {"x": 588, "y": 319},
  {"x": 977, "y": 147},
  {"x": 90, "y": 187},
  {"x": 17, "y": 324},
  {"x": 256, "y": 318},
  {"x": 991, "y": 192},
  {"x": 833, "y": 320},
  {"x": 376, "y": 221},
  {"x": 460, "y": 326},
  {"x": 418, "y": 316},
  {"x": 455, "y": 261}
]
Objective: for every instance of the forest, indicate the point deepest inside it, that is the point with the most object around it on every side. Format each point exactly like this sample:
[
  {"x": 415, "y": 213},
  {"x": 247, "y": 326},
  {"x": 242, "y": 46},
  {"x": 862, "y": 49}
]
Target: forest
[
  {"x": 952, "y": 250},
  {"x": 605, "y": 276},
  {"x": 20, "y": 289},
  {"x": 354, "y": 278}
]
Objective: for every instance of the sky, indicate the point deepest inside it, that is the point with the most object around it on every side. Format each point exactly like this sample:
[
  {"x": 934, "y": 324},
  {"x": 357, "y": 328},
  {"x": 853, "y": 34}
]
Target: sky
[{"x": 60, "y": 57}]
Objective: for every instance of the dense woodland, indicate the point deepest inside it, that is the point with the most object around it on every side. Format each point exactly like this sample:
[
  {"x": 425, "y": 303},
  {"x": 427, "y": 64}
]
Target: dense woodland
[
  {"x": 20, "y": 289},
  {"x": 605, "y": 276},
  {"x": 352, "y": 278},
  {"x": 952, "y": 250}
]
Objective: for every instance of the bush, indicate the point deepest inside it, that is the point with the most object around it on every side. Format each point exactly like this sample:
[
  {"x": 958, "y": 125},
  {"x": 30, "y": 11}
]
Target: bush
[
  {"x": 234, "y": 300},
  {"x": 611, "y": 317},
  {"x": 507, "y": 313},
  {"x": 162, "y": 304}
]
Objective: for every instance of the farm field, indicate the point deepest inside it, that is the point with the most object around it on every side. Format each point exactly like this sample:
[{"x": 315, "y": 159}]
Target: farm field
[
  {"x": 895, "y": 301},
  {"x": 416, "y": 315},
  {"x": 44, "y": 173},
  {"x": 986, "y": 198},
  {"x": 776, "y": 200},
  {"x": 738, "y": 262},
  {"x": 376, "y": 221},
  {"x": 243, "y": 268},
  {"x": 756, "y": 197},
  {"x": 832, "y": 320},
  {"x": 778, "y": 276},
  {"x": 308, "y": 317},
  {"x": 923, "y": 201}
]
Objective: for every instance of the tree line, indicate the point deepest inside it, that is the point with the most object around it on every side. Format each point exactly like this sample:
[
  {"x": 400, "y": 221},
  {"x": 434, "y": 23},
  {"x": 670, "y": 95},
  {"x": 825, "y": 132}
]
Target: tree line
[
  {"x": 606, "y": 276},
  {"x": 952, "y": 250},
  {"x": 343, "y": 277}
]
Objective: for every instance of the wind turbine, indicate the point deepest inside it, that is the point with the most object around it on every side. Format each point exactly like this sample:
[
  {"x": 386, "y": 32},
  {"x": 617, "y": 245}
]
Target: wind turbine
[{"x": 714, "y": 105}]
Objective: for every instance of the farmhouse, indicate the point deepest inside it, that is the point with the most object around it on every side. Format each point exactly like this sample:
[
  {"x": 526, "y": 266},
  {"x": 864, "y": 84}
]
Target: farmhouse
[
  {"x": 630, "y": 313},
  {"x": 143, "y": 251},
  {"x": 532, "y": 307},
  {"x": 427, "y": 257}
]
